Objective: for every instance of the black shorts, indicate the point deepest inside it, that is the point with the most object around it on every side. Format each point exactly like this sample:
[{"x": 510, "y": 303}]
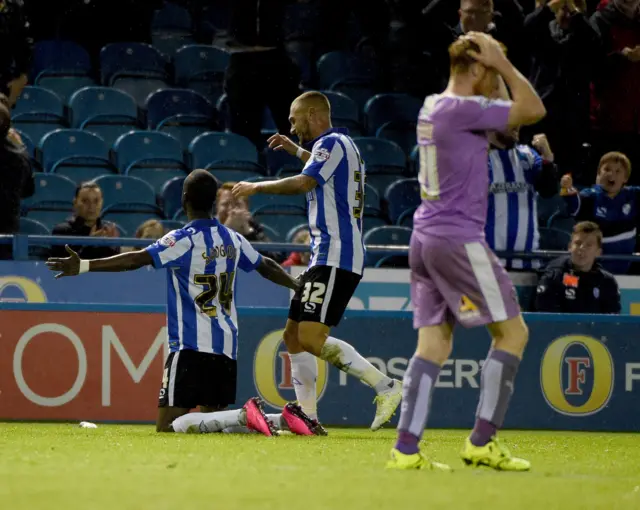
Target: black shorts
[
  {"x": 193, "y": 378},
  {"x": 324, "y": 296}
]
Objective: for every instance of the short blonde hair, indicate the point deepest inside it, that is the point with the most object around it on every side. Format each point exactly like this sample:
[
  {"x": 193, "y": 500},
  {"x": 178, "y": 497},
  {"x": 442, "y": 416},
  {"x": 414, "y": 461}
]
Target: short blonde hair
[
  {"x": 616, "y": 157},
  {"x": 315, "y": 99}
]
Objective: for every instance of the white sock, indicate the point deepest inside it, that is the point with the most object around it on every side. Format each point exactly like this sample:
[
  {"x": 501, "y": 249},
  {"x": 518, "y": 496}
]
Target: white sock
[
  {"x": 304, "y": 373},
  {"x": 344, "y": 357},
  {"x": 276, "y": 420},
  {"x": 209, "y": 422}
]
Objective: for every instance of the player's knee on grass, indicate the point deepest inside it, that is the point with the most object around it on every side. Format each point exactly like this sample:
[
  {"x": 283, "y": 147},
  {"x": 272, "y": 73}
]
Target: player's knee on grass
[
  {"x": 166, "y": 415},
  {"x": 290, "y": 337},
  {"x": 510, "y": 336},
  {"x": 312, "y": 336},
  {"x": 435, "y": 343}
]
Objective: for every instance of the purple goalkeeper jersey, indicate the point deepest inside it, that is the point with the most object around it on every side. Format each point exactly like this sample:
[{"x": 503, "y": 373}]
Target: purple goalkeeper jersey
[{"x": 454, "y": 174}]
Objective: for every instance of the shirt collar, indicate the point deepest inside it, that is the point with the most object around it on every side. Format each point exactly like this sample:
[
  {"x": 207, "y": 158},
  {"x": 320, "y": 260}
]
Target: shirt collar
[
  {"x": 340, "y": 130},
  {"x": 201, "y": 223}
]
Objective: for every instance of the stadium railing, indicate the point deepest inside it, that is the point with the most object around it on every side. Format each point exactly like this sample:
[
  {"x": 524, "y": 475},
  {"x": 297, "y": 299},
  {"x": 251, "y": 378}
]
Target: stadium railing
[{"x": 22, "y": 242}]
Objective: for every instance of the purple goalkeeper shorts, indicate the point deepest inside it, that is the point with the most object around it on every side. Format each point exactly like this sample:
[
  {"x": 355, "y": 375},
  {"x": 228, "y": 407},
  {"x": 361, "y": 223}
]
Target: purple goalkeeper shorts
[{"x": 462, "y": 281}]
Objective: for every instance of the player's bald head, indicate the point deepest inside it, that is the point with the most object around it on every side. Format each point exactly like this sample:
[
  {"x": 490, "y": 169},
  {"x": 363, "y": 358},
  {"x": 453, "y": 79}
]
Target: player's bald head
[{"x": 312, "y": 99}]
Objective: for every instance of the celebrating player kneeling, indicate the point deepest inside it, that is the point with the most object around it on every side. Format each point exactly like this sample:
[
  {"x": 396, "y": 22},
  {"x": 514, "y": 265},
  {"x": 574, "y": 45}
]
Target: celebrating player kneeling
[{"x": 202, "y": 323}]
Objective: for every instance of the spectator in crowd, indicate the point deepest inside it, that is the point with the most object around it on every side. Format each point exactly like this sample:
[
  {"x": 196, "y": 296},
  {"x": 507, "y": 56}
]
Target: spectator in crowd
[
  {"x": 577, "y": 283},
  {"x": 517, "y": 174},
  {"x": 234, "y": 213},
  {"x": 150, "y": 229},
  {"x": 86, "y": 222},
  {"x": 260, "y": 73},
  {"x": 611, "y": 205},
  {"x": 299, "y": 258},
  {"x": 616, "y": 101},
  {"x": 563, "y": 43},
  {"x": 16, "y": 177},
  {"x": 474, "y": 16},
  {"x": 16, "y": 45}
]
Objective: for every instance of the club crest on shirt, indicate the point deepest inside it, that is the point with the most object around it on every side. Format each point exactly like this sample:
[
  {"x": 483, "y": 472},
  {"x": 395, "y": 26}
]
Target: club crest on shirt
[
  {"x": 321, "y": 154},
  {"x": 626, "y": 209},
  {"x": 169, "y": 241}
]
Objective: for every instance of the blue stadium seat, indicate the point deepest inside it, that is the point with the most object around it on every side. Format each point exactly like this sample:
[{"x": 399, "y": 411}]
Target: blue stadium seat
[
  {"x": 51, "y": 188},
  {"x": 278, "y": 161},
  {"x": 383, "y": 108},
  {"x": 156, "y": 176},
  {"x": 271, "y": 233},
  {"x": 169, "y": 43},
  {"x": 224, "y": 150},
  {"x": 76, "y": 154},
  {"x": 414, "y": 160},
  {"x": 170, "y": 225},
  {"x": 131, "y": 59},
  {"x": 140, "y": 88},
  {"x": 171, "y": 196},
  {"x": 406, "y": 218},
  {"x": 561, "y": 221},
  {"x": 346, "y": 66},
  {"x": 344, "y": 111},
  {"x": 397, "y": 261},
  {"x": 381, "y": 156},
  {"x": 372, "y": 203},
  {"x": 147, "y": 148},
  {"x": 185, "y": 114},
  {"x": 402, "y": 133},
  {"x": 129, "y": 221},
  {"x": 233, "y": 175},
  {"x": 64, "y": 85},
  {"x": 294, "y": 231},
  {"x": 201, "y": 68},
  {"x": 554, "y": 239},
  {"x": 48, "y": 214},
  {"x": 401, "y": 196},
  {"x": 371, "y": 221},
  {"x": 58, "y": 57},
  {"x": 549, "y": 207},
  {"x": 359, "y": 92},
  {"x": 281, "y": 218},
  {"x": 180, "y": 215},
  {"x": 124, "y": 189},
  {"x": 386, "y": 235},
  {"x": 105, "y": 111},
  {"x": 171, "y": 17},
  {"x": 384, "y": 160},
  {"x": 261, "y": 201},
  {"x": 37, "y": 112},
  {"x": 30, "y": 226}
]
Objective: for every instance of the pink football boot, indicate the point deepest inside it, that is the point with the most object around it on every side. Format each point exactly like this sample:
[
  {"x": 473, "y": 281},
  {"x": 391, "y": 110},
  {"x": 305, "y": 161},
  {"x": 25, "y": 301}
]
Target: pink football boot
[
  {"x": 256, "y": 419},
  {"x": 299, "y": 423}
]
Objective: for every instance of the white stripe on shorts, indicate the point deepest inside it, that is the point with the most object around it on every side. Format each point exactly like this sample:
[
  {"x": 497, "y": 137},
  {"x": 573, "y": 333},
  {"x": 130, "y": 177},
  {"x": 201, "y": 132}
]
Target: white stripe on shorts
[
  {"x": 486, "y": 277},
  {"x": 328, "y": 294},
  {"x": 173, "y": 372}
]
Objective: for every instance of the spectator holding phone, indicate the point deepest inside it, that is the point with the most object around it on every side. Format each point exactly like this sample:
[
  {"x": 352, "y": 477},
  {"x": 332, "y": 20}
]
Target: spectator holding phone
[{"x": 86, "y": 222}]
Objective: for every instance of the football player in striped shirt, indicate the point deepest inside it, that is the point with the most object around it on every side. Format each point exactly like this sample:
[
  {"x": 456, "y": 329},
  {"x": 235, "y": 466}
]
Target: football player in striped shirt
[
  {"x": 333, "y": 180},
  {"x": 202, "y": 259}
]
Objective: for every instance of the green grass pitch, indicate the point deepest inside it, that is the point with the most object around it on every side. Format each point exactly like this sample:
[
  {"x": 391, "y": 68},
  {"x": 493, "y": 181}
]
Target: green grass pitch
[{"x": 60, "y": 466}]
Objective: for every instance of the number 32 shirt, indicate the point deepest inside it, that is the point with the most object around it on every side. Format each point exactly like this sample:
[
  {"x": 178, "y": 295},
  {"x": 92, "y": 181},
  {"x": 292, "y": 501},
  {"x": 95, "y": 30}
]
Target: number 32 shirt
[
  {"x": 202, "y": 259},
  {"x": 335, "y": 205}
]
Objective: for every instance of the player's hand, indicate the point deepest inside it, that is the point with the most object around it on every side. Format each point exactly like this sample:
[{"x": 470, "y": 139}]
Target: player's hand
[
  {"x": 238, "y": 220},
  {"x": 15, "y": 137},
  {"x": 490, "y": 54},
  {"x": 632, "y": 54},
  {"x": 541, "y": 144},
  {"x": 280, "y": 142},
  {"x": 556, "y": 5},
  {"x": 66, "y": 267},
  {"x": 244, "y": 189}
]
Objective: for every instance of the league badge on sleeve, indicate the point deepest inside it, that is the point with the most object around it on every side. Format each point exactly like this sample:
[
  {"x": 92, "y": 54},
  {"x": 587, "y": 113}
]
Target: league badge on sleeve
[
  {"x": 169, "y": 241},
  {"x": 321, "y": 154}
]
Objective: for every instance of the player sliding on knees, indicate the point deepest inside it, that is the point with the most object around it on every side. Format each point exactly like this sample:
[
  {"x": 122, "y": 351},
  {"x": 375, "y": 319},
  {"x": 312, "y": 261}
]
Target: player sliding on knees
[
  {"x": 202, "y": 259},
  {"x": 454, "y": 274},
  {"x": 333, "y": 180}
]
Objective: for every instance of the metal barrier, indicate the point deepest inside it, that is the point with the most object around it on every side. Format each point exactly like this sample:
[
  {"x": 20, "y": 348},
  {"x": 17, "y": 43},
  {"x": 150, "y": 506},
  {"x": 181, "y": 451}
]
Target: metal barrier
[{"x": 22, "y": 242}]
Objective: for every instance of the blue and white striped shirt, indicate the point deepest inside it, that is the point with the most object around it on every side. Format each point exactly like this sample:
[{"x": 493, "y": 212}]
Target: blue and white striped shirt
[
  {"x": 335, "y": 206},
  {"x": 202, "y": 259},
  {"x": 512, "y": 214}
]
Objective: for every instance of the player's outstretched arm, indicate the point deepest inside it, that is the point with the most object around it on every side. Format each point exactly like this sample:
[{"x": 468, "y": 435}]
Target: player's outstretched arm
[
  {"x": 74, "y": 265},
  {"x": 296, "y": 185},
  {"x": 272, "y": 271}
]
